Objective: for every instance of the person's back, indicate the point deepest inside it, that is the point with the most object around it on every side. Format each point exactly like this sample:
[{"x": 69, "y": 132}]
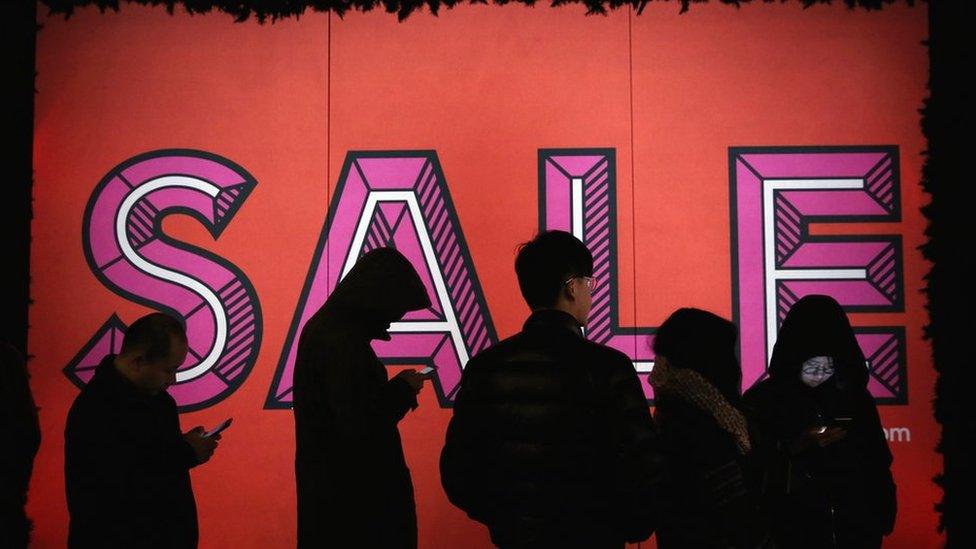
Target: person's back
[{"x": 552, "y": 442}]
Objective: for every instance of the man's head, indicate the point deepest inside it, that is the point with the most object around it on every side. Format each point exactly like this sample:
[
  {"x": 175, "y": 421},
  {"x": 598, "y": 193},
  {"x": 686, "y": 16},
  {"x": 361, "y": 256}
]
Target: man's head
[
  {"x": 153, "y": 348},
  {"x": 555, "y": 271}
]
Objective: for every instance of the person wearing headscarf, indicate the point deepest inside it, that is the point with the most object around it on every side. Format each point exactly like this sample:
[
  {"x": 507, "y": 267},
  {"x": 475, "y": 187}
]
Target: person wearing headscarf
[
  {"x": 353, "y": 481},
  {"x": 826, "y": 461},
  {"x": 22, "y": 434},
  {"x": 711, "y": 501}
]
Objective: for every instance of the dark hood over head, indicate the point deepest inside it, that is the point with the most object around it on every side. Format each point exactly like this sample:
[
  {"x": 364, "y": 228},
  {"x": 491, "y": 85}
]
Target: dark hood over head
[
  {"x": 380, "y": 288},
  {"x": 818, "y": 326}
]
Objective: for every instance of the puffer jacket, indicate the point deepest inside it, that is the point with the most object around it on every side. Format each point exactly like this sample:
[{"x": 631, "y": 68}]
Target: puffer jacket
[{"x": 552, "y": 442}]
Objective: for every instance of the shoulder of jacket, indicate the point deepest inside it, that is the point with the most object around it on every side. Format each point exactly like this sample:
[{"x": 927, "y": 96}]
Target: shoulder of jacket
[
  {"x": 90, "y": 405},
  {"x": 610, "y": 356},
  {"x": 509, "y": 344}
]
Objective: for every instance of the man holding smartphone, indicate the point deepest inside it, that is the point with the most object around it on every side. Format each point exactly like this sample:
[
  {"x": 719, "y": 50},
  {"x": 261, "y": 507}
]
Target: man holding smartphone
[
  {"x": 353, "y": 481},
  {"x": 126, "y": 462}
]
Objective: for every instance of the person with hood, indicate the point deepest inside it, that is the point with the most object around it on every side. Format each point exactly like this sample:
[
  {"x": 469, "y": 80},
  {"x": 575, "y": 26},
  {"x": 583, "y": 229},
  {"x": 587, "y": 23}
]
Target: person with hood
[
  {"x": 711, "y": 500},
  {"x": 826, "y": 461},
  {"x": 552, "y": 443},
  {"x": 353, "y": 481}
]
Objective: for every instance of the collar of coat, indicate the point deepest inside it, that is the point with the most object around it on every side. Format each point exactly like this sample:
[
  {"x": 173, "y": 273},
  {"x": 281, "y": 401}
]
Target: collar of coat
[
  {"x": 552, "y": 318},
  {"x": 109, "y": 380}
]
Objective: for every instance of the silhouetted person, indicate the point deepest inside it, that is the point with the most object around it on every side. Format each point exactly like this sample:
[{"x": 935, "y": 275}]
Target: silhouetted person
[
  {"x": 22, "y": 437},
  {"x": 552, "y": 443},
  {"x": 127, "y": 465},
  {"x": 353, "y": 483},
  {"x": 711, "y": 497},
  {"x": 828, "y": 465}
]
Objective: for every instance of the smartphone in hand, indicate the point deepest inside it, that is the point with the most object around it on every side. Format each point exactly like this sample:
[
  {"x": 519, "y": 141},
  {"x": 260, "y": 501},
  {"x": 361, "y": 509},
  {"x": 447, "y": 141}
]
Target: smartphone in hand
[
  {"x": 217, "y": 430},
  {"x": 427, "y": 372}
]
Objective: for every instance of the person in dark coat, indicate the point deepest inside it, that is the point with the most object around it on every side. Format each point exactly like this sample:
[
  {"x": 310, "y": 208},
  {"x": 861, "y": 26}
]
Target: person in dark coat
[
  {"x": 353, "y": 483},
  {"x": 22, "y": 435},
  {"x": 127, "y": 465},
  {"x": 711, "y": 498},
  {"x": 551, "y": 443},
  {"x": 827, "y": 461}
]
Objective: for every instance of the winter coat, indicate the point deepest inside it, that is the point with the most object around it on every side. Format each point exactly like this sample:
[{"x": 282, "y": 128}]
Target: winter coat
[
  {"x": 127, "y": 468},
  {"x": 840, "y": 495},
  {"x": 353, "y": 482},
  {"x": 710, "y": 493},
  {"x": 552, "y": 443}
]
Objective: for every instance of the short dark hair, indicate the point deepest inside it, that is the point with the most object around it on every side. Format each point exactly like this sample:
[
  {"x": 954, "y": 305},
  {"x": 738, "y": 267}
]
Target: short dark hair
[
  {"x": 704, "y": 342},
  {"x": 151, "y": 335},
  {"x": 546, "y": 262}
]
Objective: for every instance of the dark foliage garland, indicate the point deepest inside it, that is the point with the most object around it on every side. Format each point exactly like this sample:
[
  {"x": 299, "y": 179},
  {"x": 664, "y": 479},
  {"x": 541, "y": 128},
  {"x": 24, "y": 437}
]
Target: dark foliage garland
[
  {"x": 946, "y": 119},
  {"x": 280, "y": 9}
]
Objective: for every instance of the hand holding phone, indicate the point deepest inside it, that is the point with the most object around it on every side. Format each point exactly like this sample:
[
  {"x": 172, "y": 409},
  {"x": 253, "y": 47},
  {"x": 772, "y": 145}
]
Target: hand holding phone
[
  {"x": 218, "y": 429},
  {"x": 427, "y": 372},
  {"x": 411, "y": 377},
  {"x": 822, "y": 436}
]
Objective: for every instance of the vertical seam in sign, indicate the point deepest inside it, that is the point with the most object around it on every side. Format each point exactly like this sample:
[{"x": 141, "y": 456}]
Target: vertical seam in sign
[
  {"x": 633, "y": 171},
  {"x": 328, "y": 150}
]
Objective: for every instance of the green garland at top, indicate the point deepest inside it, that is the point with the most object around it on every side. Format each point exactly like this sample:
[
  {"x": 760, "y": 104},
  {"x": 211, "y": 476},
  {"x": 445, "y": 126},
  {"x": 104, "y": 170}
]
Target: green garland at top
[{"x": 280, "y": 9}]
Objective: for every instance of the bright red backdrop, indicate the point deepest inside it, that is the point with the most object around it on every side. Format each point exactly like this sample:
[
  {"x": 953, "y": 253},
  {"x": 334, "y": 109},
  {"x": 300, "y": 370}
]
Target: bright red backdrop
[{"x": 485, "y": 87}]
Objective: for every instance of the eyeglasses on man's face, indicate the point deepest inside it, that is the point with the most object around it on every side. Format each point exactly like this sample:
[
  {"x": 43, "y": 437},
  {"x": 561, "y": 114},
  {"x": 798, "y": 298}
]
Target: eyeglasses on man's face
[{"x": 591, "y": 282}]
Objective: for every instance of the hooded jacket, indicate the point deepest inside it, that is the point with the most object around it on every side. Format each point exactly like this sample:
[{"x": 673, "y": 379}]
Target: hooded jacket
[
  {"x": 353, "y": 481},
  {"x": 821, "y": 495}
]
